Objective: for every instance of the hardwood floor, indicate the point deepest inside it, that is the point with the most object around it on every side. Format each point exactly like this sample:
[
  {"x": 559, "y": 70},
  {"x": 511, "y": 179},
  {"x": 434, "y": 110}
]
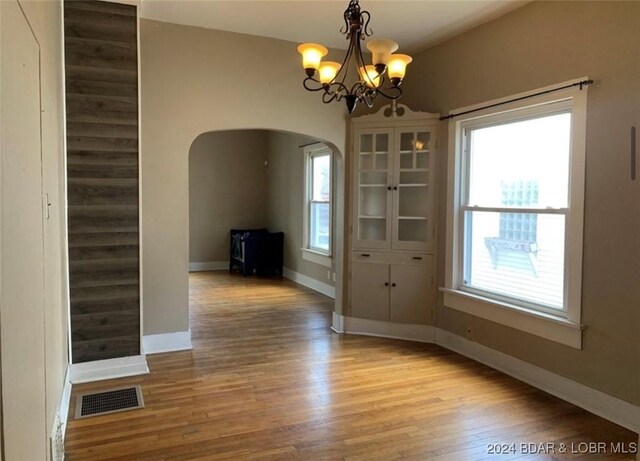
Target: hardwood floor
[{"x": 268, "y": 380}]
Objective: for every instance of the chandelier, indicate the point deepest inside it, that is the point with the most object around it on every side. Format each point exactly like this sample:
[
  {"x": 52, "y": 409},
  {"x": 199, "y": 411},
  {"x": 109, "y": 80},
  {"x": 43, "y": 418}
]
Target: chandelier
[{"x": 382, "y": 77}]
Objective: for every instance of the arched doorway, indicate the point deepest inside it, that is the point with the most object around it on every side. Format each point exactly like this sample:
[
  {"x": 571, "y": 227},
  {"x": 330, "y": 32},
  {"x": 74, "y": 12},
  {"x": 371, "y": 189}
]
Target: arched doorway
[{"x": 254, "y": 179}]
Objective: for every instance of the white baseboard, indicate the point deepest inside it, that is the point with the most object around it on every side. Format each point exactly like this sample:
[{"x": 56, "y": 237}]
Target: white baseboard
[
  {"x": 108, "y": 369},
  {"x": 167, "y": 342},
  {"x": 597, "y": 402},
  {"x": 209, "y": 266},
  {"x": 308, "y": 282},
  {"x": 406, "y": 331}
]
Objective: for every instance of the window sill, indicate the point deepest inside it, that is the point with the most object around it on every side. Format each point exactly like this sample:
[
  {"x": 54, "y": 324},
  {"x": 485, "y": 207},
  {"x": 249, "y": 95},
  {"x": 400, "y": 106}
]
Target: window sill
[
  {"x": 546, "y": 326},
  {"x": 316, "y": 257}
]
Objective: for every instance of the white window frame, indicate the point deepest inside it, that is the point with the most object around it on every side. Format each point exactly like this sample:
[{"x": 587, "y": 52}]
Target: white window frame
[
  {"x": 564, "y": 327},
  {"x": 312, "y": 254}
]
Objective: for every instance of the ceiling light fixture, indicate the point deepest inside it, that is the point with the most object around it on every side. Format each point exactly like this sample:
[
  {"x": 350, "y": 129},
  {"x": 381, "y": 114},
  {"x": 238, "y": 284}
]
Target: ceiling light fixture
[{"x": 382, "y": 77}]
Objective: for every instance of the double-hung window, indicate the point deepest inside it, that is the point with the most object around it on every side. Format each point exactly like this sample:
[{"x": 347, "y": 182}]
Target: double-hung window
[
  {"x": 318, "y": 185},
  {"x": 516, "y": 214}
]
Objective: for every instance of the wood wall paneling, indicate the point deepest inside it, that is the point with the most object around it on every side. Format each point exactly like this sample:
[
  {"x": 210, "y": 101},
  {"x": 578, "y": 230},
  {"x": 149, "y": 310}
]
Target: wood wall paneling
[{"x": 102, "y": 179}]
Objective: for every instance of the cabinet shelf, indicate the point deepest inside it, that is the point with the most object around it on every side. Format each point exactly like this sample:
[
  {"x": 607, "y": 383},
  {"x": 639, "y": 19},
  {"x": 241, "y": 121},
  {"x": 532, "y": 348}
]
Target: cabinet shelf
[
  {"x": 414, "y": 151},
  {"x": 413, "y": 218},
  {"x": 372, "y": 185},
  {"x": 414, "y": 170},
  {"x": 372, "y": 217},
  {"x": 414, "y": 185}
]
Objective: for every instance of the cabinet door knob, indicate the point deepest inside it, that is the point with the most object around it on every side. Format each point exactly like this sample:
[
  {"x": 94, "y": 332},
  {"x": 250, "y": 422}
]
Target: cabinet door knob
[
  {"x": 386, "y": 284},
  {"x": 393, "y": 284},
  {"x": 388, "y": 187},
  {"x": 417, "y": 258},
  {"x": 365, "y": 255},
  {"x": 395, "y": 187}
]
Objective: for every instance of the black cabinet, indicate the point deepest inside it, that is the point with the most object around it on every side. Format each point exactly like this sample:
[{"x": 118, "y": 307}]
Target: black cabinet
[{"x": 256, "y": 251}]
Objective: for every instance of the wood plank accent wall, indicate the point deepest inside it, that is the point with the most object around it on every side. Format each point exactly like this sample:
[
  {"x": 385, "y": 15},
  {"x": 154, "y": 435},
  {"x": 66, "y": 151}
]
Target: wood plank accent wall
[{"x": 101, "y": 63}]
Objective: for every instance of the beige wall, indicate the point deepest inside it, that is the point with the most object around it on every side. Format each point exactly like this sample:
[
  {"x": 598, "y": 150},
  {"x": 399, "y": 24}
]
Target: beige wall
[
  {"x": 541, "y": 44},
  {"x": 227, "y": 190},
  {"x": 45, "y": 21},
  {"x": 194, "y": 81},
  {"x": 286, "y": 201}
]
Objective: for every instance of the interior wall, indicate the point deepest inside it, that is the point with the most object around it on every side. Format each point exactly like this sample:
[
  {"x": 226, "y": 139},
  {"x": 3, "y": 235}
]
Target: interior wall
[
  {"x": 541, "y": 44},
  {"x": 196, "y": 80},
  {"x": 45, "y": 19},
  {"x": 227, "y": 190},
  {"x": 286, "y": 201}
]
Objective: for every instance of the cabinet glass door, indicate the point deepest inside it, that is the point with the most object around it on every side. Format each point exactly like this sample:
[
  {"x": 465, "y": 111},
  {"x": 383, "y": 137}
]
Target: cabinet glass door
[
  {"x": 412, "y": 198},
  {"x": 373, "y": 166}
]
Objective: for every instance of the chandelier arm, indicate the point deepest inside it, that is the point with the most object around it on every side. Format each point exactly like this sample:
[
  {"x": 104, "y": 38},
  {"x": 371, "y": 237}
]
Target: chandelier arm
[
  {"x": 359, "y": 90},
  {"x": 342, "y": 88},
  {"x": 365, "y": 20},
  {"x": 388, "y": 96},
  {"x": 356, "y": 89},
  {"x": 365, "y": 77},
  {"x": 328, "y": 97},
  {"x": 368, "y": 96},
  {"x": 306, "y": 81},
  {"x": 346, "y": 26},
  {"x": 335, "y": 90},
  {"x": 345, "y": 64}
]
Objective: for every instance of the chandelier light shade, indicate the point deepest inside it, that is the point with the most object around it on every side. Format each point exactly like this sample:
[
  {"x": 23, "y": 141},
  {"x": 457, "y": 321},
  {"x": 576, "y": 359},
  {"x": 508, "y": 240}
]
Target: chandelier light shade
[{"x": 382, "y": 76}]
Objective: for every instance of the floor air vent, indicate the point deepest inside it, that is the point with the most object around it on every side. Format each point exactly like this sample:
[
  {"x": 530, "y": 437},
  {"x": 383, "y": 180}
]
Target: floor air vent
[{"x": 106, "y": 402}]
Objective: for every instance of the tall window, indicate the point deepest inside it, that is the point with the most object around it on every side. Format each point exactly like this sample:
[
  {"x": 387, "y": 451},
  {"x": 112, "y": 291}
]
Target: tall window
[
  {"x": 516, "y": 207},
  {"x": 517, "y": 193},
  {"x": 318, "y": 199}
]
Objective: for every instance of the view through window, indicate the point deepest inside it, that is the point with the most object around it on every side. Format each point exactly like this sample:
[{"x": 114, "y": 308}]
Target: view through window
[
  {"x": 517, "y": 189},
  {"x": 320, "y": 202}
]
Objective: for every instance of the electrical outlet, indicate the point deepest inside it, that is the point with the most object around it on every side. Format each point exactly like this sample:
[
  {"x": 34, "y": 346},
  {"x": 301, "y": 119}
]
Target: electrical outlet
[
  {"x": 328, "y": 275},
  {"x": 334, "y": 276}
]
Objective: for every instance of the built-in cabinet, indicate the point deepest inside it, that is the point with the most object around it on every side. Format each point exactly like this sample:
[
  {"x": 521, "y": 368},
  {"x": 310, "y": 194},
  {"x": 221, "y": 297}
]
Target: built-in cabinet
[{"x": 393, "y": 229}]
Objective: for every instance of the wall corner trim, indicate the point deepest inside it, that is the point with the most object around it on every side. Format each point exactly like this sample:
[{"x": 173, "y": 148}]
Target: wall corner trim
[
  {"x": 308, "y": 282},
  {"x": 108, "y": 369},
  {"x": 209, "y": 266},
  {"x": 337, "y": 324},
  {"x": 63, "y": 407},
  {"x": 167, "y": 342},
  {"x": 594, "y": 401}
]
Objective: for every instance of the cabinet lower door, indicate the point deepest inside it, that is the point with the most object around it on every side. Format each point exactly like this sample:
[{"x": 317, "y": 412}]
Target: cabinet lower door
[
  {"x": 410, "y": 296},
  {"x": 369, "y": 294}
]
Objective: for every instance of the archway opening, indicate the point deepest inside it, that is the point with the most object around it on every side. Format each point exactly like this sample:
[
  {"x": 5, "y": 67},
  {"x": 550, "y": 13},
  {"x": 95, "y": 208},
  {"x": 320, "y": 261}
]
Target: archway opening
[{"x": 261, "y": 179}]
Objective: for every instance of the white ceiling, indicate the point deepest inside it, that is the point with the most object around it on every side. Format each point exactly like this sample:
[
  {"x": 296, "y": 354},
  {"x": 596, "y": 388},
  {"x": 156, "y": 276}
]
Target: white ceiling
[{"x": 414, "y": 24}]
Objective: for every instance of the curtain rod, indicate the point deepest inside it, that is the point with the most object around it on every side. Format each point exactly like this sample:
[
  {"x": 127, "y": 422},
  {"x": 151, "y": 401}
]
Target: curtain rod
[
  {"x": 311, "y": 144},
  {"x": 581, "y": 84}
]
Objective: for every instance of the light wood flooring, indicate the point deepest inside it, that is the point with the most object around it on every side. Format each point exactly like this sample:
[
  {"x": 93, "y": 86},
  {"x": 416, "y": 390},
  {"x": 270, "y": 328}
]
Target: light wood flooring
[{"x": 268, "y": 380}]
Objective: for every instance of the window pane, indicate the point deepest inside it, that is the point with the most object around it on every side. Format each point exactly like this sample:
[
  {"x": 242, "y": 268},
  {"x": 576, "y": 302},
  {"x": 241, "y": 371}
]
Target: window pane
[
  {"x": 321, "y": 188},
  {"x": 517, "y": 255},
  {"x": 521, "y": 164},
  {"x": 319, "y": 227}
]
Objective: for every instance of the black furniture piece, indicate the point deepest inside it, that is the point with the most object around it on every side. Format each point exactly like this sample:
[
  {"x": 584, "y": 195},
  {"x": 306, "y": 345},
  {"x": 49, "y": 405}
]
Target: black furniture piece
[{"x": 256, "y": 251}]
